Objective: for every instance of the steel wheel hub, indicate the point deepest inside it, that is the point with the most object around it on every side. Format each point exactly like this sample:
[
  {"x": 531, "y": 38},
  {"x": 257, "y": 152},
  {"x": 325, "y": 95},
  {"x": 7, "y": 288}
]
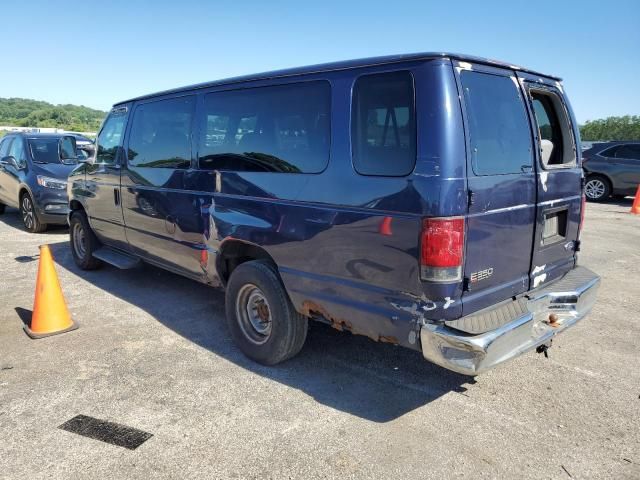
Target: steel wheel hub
[
  {"x": 79, "y": 240},
  {"x": 254, "y": 314}
]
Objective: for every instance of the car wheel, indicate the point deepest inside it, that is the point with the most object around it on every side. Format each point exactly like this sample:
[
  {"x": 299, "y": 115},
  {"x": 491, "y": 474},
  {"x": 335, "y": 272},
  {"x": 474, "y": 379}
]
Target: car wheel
[
  {"x": 597, "y": 188},
  {"x": 29, "y": 216},
  {"x": 2, "y": 208},
  {"x": 83, "y": 242},
  {"x": 263, "y": 322}
]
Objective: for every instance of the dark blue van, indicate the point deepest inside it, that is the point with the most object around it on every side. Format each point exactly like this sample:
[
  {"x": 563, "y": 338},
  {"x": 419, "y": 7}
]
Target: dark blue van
[{"x": 432, "y": 201}]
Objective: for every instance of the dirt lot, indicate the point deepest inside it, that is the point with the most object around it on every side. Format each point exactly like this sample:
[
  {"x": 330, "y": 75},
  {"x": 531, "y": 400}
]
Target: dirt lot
[{"x": 153, "y": 353}]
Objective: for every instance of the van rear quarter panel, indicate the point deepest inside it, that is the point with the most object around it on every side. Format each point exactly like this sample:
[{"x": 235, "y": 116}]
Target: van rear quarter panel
[{"x": 324, "y": 230}]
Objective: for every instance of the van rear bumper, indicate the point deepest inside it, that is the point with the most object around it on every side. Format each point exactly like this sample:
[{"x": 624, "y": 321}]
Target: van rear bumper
[{"x": 550, "y": 311}]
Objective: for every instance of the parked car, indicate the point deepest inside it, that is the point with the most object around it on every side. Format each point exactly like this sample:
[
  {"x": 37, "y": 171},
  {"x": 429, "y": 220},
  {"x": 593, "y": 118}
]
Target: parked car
[
  {"x": 401, "y": 198},
  {"x": 611, "y": 168},
  {"x": 33, "y": 176}
]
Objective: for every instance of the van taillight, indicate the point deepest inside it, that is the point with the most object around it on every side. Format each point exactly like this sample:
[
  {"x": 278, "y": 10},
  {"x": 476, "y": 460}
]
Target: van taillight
[{"x": 441, "y": 249}]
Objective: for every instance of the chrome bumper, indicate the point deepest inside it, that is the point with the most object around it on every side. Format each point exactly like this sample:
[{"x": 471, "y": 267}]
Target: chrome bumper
[{"x": 550, "y": 311}]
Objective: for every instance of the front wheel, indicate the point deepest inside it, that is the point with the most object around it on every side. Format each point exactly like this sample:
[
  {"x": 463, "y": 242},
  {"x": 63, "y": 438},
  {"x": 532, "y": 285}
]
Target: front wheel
[
  {"x": 263, "y": 322},
  {"x": 29, "y": 216},
  {"x": 597, "y": 188},
  {"x": 83, "y": 242}
]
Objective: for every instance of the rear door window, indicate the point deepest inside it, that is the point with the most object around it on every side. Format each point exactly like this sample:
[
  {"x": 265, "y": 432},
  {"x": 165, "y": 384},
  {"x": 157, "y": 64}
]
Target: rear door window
[
  {"x": 160, "y": 134},
  {"x": 630, "y": 151},
  {"x": 282, "y": 129},
  {"x": 499, "y": 132},
  {"x": 383, "y": 129},
  {"x": 556, "y": 140}
]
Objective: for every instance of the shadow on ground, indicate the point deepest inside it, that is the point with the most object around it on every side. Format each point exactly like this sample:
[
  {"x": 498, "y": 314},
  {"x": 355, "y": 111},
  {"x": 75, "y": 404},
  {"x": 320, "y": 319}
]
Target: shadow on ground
[
  {"x": 11, "y": 217},
  {"x": 374, "y": 381}
]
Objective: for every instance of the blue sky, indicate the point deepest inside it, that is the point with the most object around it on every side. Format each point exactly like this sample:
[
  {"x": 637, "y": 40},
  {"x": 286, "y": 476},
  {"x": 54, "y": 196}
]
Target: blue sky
[{"x": 97, "y": 53}]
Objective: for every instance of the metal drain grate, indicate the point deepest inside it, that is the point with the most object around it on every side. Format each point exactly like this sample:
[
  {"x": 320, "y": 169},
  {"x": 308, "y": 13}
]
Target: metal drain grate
[{"x": 108, "y": 432}]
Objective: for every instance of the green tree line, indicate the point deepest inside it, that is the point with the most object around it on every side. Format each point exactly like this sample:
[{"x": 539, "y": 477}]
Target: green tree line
[
  {"x": 612, "y": 128},
  {"x": 22, "y": 112}
]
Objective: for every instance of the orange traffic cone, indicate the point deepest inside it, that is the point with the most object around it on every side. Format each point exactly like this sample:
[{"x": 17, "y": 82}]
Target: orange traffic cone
[
  {"x": 635, "y": 208},
  {"x": 385, "y": 226},
  {"x": 50, "y": 315}
]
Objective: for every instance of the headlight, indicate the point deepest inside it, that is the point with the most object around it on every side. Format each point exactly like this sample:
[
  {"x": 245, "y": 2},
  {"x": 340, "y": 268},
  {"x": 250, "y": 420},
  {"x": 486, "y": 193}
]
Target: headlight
[{"x": 49, "y": 182}]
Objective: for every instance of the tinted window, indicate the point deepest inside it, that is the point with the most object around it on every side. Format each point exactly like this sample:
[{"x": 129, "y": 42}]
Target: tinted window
[
  {"x": 610, "y": 152},
  {"x": 628, "y": 151},
  {"x": 161, "y": 134},
  {"x": 383, "y": 124},
  {"x": 499, "y": 132},
  {"x": 110, "y": 136},
  {"x": 283, "y": 128}
]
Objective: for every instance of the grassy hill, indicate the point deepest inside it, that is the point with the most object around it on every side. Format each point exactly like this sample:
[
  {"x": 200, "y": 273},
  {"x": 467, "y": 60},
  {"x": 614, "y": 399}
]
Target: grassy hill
[{"x": 22, "y": 112}]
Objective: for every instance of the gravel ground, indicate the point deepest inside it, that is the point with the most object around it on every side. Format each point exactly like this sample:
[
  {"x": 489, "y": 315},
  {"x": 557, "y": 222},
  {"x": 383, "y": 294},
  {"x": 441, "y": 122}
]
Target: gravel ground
[{"x": 153, "y": 353}]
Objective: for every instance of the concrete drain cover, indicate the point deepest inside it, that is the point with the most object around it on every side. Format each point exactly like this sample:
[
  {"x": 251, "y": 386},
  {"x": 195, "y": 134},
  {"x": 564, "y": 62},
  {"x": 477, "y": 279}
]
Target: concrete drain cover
[{"x": 108, "y": 432}]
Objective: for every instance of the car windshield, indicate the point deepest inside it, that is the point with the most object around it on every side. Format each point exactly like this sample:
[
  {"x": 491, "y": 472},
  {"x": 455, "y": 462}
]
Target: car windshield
[{"x": 45, "y": 150}]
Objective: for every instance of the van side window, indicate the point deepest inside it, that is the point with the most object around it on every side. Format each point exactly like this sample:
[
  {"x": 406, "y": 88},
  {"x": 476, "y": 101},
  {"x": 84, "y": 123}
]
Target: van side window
[
  {"x": 556, "y": 144},
  {"x": 161, "y": 134},
  {"x": 110, "y": 136},
  {"x": 499, "y": 132},
  {"x": 383, "y": 126},
  {"x": 284, "y": 128}
]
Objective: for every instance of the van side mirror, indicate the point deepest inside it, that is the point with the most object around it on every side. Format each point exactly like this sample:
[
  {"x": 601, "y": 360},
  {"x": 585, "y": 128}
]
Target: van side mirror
[{"x": 67, "y": 148}]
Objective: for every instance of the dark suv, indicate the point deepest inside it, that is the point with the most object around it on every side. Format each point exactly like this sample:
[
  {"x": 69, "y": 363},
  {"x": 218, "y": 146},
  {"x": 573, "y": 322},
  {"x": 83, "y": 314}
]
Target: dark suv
[
  {"x": 612, "y": 168},
  {"x": 33, "y": 176},
  {"x": 431, "y": 201}
]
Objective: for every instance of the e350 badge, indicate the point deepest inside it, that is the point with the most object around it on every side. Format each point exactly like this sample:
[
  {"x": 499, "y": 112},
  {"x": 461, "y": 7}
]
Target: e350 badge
[{"x": 481, "y": 275}]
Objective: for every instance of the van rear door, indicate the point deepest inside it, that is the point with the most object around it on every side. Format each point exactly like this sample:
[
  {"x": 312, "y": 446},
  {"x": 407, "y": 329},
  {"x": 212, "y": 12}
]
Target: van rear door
[
  {"x": 501, "y": 186},
  {"x": 559, "y": 182}
]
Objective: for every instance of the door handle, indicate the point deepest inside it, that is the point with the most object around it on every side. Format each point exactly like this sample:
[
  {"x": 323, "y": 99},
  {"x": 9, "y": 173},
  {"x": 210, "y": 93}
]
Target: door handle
[{"x": 116, "y": 196}]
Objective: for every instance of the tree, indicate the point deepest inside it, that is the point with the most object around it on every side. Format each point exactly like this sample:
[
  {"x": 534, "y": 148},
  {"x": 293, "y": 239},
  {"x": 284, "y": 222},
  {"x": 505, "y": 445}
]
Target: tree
[
  {"x": 612, "y": 128},
  {"x": 22, "y": 112}
]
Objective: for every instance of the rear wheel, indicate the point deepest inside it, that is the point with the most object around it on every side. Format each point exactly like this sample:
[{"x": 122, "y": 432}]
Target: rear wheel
[
  {"x": 83, "y": 241},
  {"x": 597, "y": 188},
  {"x": 29, "y": 216},
  {"x": 263, "y": 322}
]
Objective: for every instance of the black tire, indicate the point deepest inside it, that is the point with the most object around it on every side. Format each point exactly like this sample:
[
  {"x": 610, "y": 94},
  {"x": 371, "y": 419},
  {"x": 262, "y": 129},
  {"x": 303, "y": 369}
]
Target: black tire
[
  {"x": 2, "y": 207},
  {"x": 281, "y": 330},
  {"x": 597, "y": 188},
  {"x": 83, "y": 241},
  {"x": 29, "y": 215}
]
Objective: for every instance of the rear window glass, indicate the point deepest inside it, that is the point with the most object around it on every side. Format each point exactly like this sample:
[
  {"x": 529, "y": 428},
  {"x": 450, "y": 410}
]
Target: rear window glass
[
  {"x": 499, "y": 132},
  {"x": 161, "y": 134},
  {"x": 383, "y": 124},
  {"x": 556, "y": 141},
  {"x": 283, "y": 129}
]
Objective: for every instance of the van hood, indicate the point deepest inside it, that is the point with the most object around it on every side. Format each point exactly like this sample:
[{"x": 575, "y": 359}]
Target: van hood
[{"x": 55, "y": 170}]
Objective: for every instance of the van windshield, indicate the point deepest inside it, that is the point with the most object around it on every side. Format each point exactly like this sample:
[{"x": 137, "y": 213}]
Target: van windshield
[{"x": 45, "y": 150}]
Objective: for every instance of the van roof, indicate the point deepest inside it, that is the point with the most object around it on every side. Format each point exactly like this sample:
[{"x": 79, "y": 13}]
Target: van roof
[{"x": 342, "y": 65}]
